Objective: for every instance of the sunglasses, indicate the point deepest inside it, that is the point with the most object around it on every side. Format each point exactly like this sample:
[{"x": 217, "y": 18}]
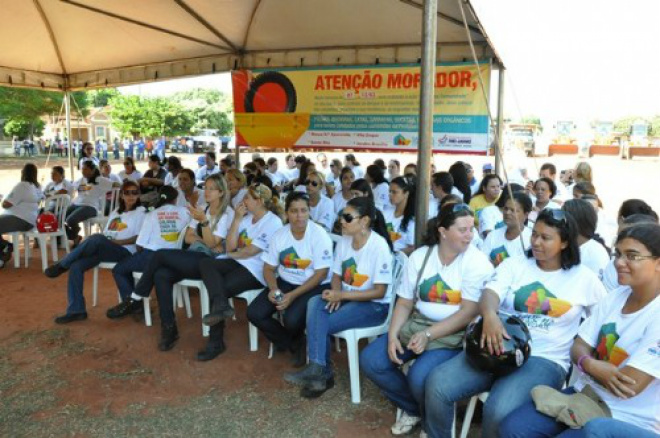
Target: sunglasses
[
  {"x": 131, "y": 192},
  {"x": 557, "y": 215},
  {"x": 312, "y": 183},
  {"x": 348, "y": 218},
  {"x": 460, "y": 207}
]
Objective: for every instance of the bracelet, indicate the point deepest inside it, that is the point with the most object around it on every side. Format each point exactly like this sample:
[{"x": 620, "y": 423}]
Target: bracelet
[{"x": 579, "y": 362}]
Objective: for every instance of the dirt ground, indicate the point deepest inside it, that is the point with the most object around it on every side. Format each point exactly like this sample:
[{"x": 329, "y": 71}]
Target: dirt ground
[{"x": 104, "y": 378}]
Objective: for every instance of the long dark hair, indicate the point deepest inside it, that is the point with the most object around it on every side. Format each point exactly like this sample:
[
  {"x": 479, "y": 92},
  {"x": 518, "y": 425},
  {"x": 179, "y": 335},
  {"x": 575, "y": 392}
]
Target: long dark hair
[
  {"x": 366, "y": 207},
  {"x": 304, "y": 172},
  {"x": 376, "y": 174},
  {"x": 343, "y": 172},
  {"x": 122, "y": 204},
  {"x": 447, "y": 215},
  {"x": 407, "y": 184},
  {"x": 636, "y": 206},
  {"x": 95, "y": 171},
  {"x": 565, "y": 224},
  {"x": 586, "y": 219},
  {"x": 485, "y": 181},
  {"x": 461, "y": 181},
  {"x": 166, "y": 195},
  {"x": 29, "y": 174},
  {"x": 362, "y": 185}
]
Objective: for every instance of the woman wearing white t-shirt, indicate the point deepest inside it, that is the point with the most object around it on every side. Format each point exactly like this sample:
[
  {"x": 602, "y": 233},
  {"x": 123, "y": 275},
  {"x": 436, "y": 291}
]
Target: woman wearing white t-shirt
[
  {"x": 379, "y": 186},
  {"x": 256, "y": 219},
  {"x": 616, "y": 352},
  {"x": 351, "y": 162},
  {"x": 297, "y": 265},
  {"x": 362, "y": 270},
  {"x": 87, "y": 155},
  {"x": 333, "y": 179},
  {"x": 205, "y": 237},
  {"x": 400, "y": 214},
  {"x": 21, "y": 206},
  {"x": 160, "y": 230},
  {"x": 321, "y": 208},
  {"x": 116, "y": 243},
  {"x": 593, "y": 252},
  {"x": 130, "y": 172},
  {"x": 346, "y": 177},
  {"x": 544, "y": 190},
  {"x": 512, "y": 240},
  {"x": 189, "y": 194},
  {"x": 441, "y": 285},
  {"x": 551, "y": 292},
  {"x": 58, "y": 185},
  {"x": 236, "y": 183},
  {"x": 174, "y": 168}
]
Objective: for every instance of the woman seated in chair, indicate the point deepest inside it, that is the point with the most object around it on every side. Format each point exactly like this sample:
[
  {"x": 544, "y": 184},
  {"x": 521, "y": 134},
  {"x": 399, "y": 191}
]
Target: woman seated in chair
[
  {"x": 362, "y": 270},
  {"x": 437, "y": 299},
  {"x": 161, "y": 229},
  {"x": 58, "y": 185},
  {"x": 615, "y": 354},
  {"x": 115, "y": 244},
  {"x": 91, "y": 188},
  {"x": 21, "y": 209},
  {"x": 400, "y": 214},
  {"x": 296, "y": 269},
  {"x": 256, "y": 219},
  {"x": 551, "y": 292},
  {"x": 321, "y": 208},
  {"x": 205, "y": 236}
]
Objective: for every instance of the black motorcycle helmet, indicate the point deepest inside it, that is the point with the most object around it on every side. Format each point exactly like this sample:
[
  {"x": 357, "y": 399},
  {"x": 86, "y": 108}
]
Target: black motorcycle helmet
[{"x": 516, "y": 350}]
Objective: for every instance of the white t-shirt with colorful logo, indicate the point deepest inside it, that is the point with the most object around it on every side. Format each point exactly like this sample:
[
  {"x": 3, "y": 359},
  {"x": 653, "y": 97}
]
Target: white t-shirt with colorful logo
[
  {"x": 498, "y": 248},
  {"x": 442, "y": 288},
  {"x": 630, "y": 340},
  {"x": 400, "y": 239},
  {"x": 258, "y": 234},
  {"x": 122, "y": 226},
  {"x": 550, "y": 303},
  {"x": 296, "y": 260},
  {"x": 161, "y": 227},
  {"x": 362, "y": 269},
  {"x": 324, "y": 213}
]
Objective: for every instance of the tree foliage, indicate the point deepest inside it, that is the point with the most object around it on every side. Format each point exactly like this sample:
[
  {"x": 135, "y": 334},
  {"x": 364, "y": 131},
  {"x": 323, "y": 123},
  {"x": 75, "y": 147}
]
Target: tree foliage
[
  {"x": 101, "y": 97},
  {"x": 24, "y": 128},
  {"x": 149, "y": 116},
  {"x": 209, "y": 109},
  {"x": 531, "y": 120}
]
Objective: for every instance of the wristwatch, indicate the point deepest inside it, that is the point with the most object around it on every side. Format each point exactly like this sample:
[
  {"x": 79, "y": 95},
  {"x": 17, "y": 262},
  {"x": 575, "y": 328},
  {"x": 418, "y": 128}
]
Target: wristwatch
[
  {"x": 428, "y": 334},
  {"x": 204, "y": 224}
]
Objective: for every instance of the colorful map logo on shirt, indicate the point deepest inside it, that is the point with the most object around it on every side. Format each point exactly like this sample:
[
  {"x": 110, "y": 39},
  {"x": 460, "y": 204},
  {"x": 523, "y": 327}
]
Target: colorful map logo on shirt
[
  {"x": 436, "y": 290},
  {"x": 535, "y": 299},
  {"x": 499, "y": 225},
  {"x": 394, "y": 236},
  {"x": 116, "y": 225},
  {"x": 498, "y": 255},
  {"x": 243, "y": 239},
  {"x": 606, "y": 348},
  {"x": 350, "y": 274},
  {"x": 289, "y": 258}
]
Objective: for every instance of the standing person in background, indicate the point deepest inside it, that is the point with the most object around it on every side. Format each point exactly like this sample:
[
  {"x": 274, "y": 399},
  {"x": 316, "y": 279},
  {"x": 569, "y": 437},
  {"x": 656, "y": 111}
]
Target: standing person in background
[
  {"x": 393, "y": 169},
  {"x": 104, "y": 149},
  {"x": 125, "y": 144},
  {"x": 379, "y": 186},
  {"x": 160, "y": 148},
  {"x": 140, "y": 145},
  {"x": 115, "y": 148},
  {"x": 333, "y": 180},
  {"x": 350, "y": 161},
  {"x": 461, "y": 183}
]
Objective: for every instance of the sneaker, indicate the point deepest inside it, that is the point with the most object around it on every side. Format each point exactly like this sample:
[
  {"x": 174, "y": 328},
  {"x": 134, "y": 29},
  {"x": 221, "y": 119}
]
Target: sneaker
[
  {"x": 54, "y": 271},
  {"x": 405, "y": 424},
  {"x": 311, "y": 371},
  {"x": 65, "y": 319},
  {"x": 315, "y": 387},
  {"x": 125, "y": 308},
  {"x": 168, "y": 337}
]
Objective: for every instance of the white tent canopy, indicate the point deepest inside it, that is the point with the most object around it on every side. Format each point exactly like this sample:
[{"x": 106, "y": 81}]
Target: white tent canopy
[{"x": 78, "y": 44}]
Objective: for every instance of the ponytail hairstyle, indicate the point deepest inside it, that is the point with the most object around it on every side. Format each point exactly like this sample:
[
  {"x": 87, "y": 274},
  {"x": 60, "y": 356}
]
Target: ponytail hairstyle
[
  {"x": 271, "y": 201},
  {"x": 446, "y": 217},
  {"x": 219, "y": 183},
  {"x": 635, "y": 206},
  {"x": 361, "y": 185},
  {"x": 166, "y": 195},
  {"x": 586, "y": 219},
  {"x": 407, "y": 184},
  {"x": 366, "y": 208},
  {"x": 95, "y": 171},
  {"x": 128, "y": 184},
  {"x": 29, "y": 174}
]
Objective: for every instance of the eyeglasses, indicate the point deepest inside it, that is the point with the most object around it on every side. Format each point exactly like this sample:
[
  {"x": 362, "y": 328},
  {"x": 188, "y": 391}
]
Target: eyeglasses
[
  {"x": 131, "y": 192},
  {"x": 348, "y": 218},
  {"x": 312, "y": 183},
  {"x": 632, "y": 257}
]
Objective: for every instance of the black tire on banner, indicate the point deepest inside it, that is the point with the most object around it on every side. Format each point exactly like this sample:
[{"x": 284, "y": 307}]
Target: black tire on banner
[{"x": 272, "y": 77}]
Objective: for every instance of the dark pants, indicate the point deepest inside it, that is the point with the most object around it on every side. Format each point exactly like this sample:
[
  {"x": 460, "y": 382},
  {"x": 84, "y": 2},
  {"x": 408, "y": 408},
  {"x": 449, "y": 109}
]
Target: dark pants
[
  {"x": 10, "y": 224},
  {"x": 123, "y": 271},
  {"x": 166, "y": 268},
  {"x": 284, "y": 336},
  {"x": 76, "y": 214}
]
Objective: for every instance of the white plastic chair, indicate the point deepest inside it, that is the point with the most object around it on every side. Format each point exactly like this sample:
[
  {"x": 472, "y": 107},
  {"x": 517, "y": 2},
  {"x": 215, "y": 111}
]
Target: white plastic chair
[
  {"x": 102, "y": 219},
  {"x": 62, "y": 202},
  {"x": 253, "y": 332},
  {"x": 353, "y": 336},
  {"x": 184, "y": 286},
  {"x": 469, "y": 413}
]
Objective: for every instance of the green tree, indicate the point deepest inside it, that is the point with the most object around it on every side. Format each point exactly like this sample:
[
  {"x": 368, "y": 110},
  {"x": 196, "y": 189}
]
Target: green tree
[
  {"x": 655, "y": 126},
  {"x": 209, "y": 109},
  {"x": 531, "y": 120},
  {"x": 24, "y": 128},
  {"x": 624, "y": 124},
  {"x": 148, "y": 116},
  {"x": 101, "y": 97}
]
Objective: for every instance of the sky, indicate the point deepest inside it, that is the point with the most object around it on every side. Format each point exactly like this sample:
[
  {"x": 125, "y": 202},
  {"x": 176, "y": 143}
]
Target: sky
[{"x": 577, "y": 60}]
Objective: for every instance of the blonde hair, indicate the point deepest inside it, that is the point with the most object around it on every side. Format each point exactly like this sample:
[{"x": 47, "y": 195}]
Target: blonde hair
[
  {"x": 237, "y": 175},
  {"x": 320, "y": 176},
  {"x": 271, "y": 201},
  {"x": 583, "y": 172},
  {"x": 221, "y": 184}
]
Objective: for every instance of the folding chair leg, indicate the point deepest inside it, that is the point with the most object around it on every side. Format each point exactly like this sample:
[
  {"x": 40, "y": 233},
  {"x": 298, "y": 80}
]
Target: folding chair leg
[
  {"x": 44, "y": 253},
  {"x": 186, "y": 301},
  {"x": 95, "y": 286},
  {"x": 204, "y": 304},
  {"x": 469, "y": 413},
  {"x": 53, "y": 248},
  {"x": 17, "y": 252},
  {"x": 147, "y": 312},
  {"x": 354, "y": 369},
  {"x": 254, "y": 337},
  {"x": 26, "y": 250}
]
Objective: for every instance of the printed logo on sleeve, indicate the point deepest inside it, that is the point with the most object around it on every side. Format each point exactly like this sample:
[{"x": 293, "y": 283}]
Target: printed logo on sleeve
[
  {"x": 436, "y": 290},
  {"x": 350, "y": 274},
  {"x": 289, "y": 258},
  {"x": 606, "y": 348},
  {"x": 394, "y": 236},
  {"x": 498, "y": 255},
  {"x": 243, "y": 239},
  {"x": 535, "y": 299}
]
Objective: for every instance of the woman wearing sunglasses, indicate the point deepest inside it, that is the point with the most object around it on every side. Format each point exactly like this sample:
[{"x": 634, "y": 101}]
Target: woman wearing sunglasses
[
  {"x": 130, "y": 172},
  {"x": 616, "y": 352},
  {"x": 256, "y": 219},
  {"x": 321, "y": 208},
  {"x": 296, "y": 268},
  {"x": 400, "y": 215},
  {"x": 346, "y": 178},
  {"x": 362, "y": 270},
  {"x": 441, "y": 286},
  {"x": 551, "y": 292},
  {"x": 115, "y": 244}
]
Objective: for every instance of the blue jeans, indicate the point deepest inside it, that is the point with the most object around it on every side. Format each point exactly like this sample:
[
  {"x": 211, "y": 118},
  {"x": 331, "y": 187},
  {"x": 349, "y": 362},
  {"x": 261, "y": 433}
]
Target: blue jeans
[
  {"x": 527, "y": 422},
  {"x": 92, "y": 251},
  {"x": 321, "y": 324},
  {"x": 123, "y": 271},
  {"x": 456, "y": 379},
  {"x": 405, "y": 391}
]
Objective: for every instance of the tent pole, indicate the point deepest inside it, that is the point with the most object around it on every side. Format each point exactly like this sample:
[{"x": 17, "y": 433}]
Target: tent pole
[
  {"x": 67, "y": 111},
  {"x": 426, "y": 104},
  {"x": 500, "y": 118}
]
